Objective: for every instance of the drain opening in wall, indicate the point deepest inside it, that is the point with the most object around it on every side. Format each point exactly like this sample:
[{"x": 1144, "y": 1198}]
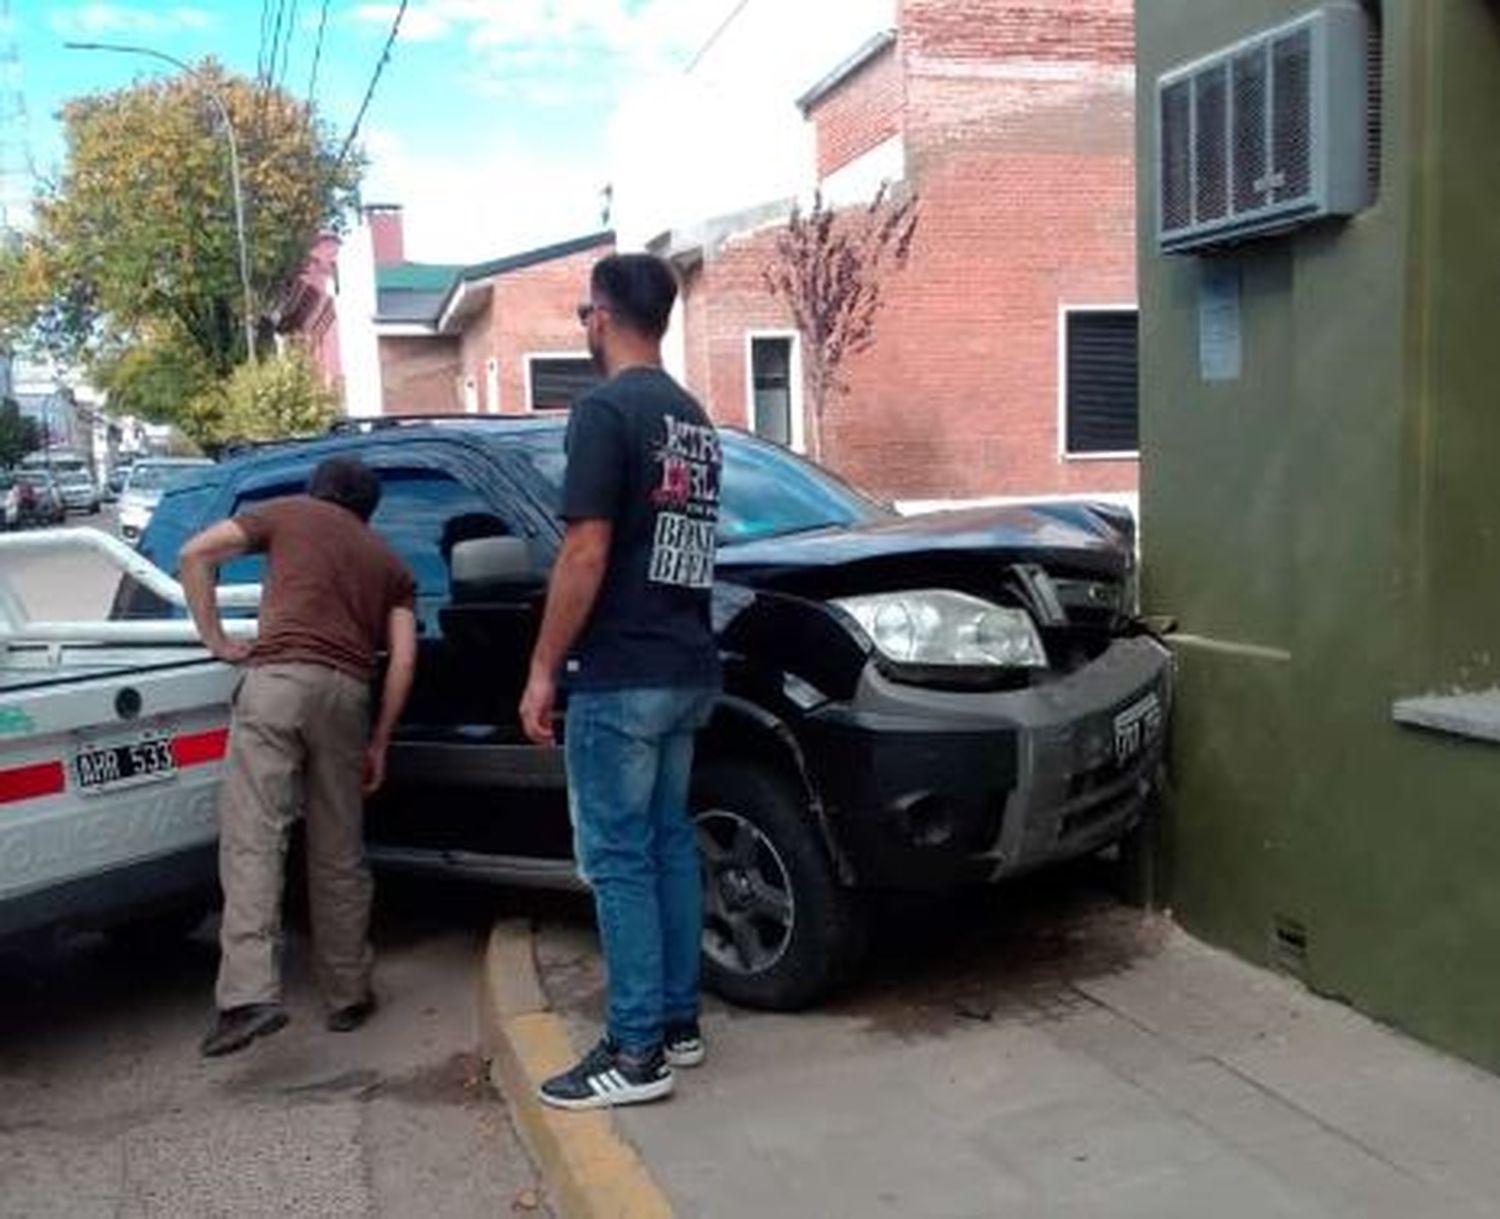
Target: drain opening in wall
[{"x": 1288, "y": 944}]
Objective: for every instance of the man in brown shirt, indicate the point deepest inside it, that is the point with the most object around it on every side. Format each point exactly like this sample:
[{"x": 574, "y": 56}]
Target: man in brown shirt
[{"x": 300, "y": 737}]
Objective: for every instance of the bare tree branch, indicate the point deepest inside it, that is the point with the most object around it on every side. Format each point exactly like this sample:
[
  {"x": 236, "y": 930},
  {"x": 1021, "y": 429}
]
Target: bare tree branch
[{"x": 827, "y": 268}]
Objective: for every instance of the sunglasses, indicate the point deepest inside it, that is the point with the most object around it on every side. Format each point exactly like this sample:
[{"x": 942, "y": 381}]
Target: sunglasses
[{"x": 586, "y": 311}]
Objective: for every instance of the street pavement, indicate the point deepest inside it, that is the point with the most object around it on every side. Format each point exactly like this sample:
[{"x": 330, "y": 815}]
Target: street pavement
[
  {"x": 1043, "y": 1053},
  {"x": 106, "y": 1108}
]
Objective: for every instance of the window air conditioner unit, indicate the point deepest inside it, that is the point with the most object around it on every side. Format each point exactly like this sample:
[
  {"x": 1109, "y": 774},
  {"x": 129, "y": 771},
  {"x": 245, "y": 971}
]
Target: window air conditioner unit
[{"x": 1273, "y": 132}]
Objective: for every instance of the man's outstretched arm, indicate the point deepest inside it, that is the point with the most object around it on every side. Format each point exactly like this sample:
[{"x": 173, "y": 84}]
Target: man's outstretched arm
[{"x": 200, "y": 560}]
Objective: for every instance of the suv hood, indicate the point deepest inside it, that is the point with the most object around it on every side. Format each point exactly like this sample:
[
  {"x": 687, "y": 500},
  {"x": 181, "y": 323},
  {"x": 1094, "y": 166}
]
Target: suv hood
[{"x": 1069, "y": 539}]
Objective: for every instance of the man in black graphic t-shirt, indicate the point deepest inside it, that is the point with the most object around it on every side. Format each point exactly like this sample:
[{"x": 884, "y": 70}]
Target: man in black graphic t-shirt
[{"x": 628, "y": 628}]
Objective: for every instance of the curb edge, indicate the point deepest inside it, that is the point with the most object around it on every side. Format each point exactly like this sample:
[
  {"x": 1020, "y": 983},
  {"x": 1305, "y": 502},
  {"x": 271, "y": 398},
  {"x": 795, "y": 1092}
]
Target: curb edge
[{"x": 590, "y": 1170}]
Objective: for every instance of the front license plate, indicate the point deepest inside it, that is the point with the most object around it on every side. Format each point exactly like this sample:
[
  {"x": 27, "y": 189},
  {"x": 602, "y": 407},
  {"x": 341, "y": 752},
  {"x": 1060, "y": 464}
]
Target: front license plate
[
  {"x": 106, "y": 767},
  {"x": 1136, "y": 727}
]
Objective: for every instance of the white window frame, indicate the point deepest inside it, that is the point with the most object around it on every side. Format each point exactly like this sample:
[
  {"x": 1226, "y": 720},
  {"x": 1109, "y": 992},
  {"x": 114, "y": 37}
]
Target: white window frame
[
  {"x": 794, "y": 372},
  {"x": 492, "y": 386},
  {"x": 547, "y": 355},
  {"x": 1063, "y": 313}
]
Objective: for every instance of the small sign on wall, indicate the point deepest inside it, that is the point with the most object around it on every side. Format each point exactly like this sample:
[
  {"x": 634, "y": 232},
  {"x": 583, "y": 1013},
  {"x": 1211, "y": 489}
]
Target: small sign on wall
[{"x": 1220, "y": 346}]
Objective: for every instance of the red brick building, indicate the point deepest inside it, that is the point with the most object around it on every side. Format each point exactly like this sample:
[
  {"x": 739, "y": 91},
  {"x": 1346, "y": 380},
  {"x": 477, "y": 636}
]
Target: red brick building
[
  {"x": 497, "y": 337},
  {"x": 1005, "y": 356}
]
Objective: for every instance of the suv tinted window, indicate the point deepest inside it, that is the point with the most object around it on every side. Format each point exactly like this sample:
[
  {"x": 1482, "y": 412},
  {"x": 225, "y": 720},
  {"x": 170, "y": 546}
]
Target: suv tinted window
[
  {"x": 422, "y": 512},
  {"x": 179, "y": 515},
  {"x": 767, "y": 490},
  {"x": 418, "y": 506},
  {"x": 251, "y": 568}
]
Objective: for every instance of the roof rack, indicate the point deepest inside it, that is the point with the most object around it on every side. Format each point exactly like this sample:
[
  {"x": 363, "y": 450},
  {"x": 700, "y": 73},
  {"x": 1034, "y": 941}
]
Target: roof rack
[
  {"x": 239, "y": 446},
  {"x": 379, "y": 423}
]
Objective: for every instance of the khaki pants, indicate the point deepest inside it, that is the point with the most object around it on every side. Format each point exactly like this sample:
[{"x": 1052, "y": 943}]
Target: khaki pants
[{"x": 297, "y": 742}]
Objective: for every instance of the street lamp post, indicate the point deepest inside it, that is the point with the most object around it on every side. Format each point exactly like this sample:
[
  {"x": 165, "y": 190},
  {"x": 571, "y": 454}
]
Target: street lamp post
[{"x": 234, "y": 164}]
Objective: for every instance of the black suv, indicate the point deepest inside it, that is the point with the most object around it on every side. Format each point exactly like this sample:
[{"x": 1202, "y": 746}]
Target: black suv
[{"x": 910, "y": 702}]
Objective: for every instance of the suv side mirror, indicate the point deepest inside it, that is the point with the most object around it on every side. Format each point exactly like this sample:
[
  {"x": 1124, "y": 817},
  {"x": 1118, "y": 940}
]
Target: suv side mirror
[{"x": 483, "y": 568}]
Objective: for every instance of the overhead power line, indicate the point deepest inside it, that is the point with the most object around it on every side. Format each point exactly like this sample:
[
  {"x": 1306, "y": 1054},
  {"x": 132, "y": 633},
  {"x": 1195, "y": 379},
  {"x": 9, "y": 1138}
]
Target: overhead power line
[
  {"x": 275, "y": 49},
  {"x": 385, "y": 58},
  {"x": 716, "y": 35},
  {"x": 265, "y": 33},
  {"x": 286, "y": 41},
  {"x": 312, "y": 80}
]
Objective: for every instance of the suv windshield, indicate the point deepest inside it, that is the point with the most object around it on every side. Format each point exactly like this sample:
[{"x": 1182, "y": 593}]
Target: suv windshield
[{"x": 767, "y": 491}]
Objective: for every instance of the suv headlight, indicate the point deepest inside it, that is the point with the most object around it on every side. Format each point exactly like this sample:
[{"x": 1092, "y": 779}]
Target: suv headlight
[{"x": 945, "y": 629}]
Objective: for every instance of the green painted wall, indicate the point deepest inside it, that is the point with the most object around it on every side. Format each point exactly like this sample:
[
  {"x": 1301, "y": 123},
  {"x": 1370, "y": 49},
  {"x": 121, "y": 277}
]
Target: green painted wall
[{"x": 1326, "y": 531}]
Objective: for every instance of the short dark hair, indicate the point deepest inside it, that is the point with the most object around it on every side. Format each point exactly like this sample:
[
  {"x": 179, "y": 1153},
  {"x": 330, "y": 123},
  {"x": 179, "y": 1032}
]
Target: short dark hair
[
  {"x": 639, "y": 289},
  {"x": 347, "y": 482}
]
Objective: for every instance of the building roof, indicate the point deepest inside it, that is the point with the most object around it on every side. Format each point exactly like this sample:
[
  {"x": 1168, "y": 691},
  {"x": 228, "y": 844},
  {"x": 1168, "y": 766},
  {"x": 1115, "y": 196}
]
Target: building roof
[
  {"x": 434, "y": 295},
  {"x": 531, "y": 258},
  {"x": 869, "y": 51},
  {"x": 416, "y": 276}
]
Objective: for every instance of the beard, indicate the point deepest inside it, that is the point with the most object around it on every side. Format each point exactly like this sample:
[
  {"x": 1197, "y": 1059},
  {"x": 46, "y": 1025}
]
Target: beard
[{"x": 596, "y": 352}]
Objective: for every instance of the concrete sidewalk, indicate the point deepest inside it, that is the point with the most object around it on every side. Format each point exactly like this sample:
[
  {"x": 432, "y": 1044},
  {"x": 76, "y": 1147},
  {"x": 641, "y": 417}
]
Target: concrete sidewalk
[{"x": 1095, "y": 1062}]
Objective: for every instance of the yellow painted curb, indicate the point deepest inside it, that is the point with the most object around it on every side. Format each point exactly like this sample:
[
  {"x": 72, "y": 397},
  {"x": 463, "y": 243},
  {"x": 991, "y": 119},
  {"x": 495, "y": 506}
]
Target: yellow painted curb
[{"x": 591, "y": 1172}]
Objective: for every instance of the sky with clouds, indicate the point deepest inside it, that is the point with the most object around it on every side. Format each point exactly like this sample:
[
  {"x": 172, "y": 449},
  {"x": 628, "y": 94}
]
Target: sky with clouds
[{"x": 498, "y": 122}]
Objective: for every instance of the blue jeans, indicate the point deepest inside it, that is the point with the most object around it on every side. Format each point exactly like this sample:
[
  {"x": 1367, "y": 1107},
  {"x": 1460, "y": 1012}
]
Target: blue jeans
[{"x": 630, "y": 761}]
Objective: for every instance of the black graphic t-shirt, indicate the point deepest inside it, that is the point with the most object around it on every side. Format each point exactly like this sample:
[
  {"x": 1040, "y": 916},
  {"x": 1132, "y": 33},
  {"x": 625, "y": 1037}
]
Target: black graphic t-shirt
[{"x": 642, "y": 454}]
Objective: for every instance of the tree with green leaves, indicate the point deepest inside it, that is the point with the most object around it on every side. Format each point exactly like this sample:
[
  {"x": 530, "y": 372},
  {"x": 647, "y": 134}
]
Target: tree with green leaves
[
  {"x": 275, "y": 398},
  {"x": 19, "y": 434},
  {"x": 827, "y": 268},
  {"x": 132, "y": 269}
]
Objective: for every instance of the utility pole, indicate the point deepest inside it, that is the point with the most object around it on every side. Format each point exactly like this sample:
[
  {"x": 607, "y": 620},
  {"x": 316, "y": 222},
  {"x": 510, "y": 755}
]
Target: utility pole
[{"x": 234, "y": 163}]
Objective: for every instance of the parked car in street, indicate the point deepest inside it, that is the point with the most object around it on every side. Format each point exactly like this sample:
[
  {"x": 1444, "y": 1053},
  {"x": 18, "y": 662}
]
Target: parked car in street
[
  {"x": 10, "y": 501},
  {"x": 149, "y": 478},
  {"x": 40, "y": 500},
  {"x": 115, "y": 483},
  {"x": 910, "y": 702},
  {"x": 79, "y": 491}
]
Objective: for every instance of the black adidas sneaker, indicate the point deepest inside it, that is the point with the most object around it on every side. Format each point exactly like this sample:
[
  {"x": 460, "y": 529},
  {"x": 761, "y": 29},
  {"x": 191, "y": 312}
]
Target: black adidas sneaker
[
  {"x": 683, "y": 1044},
  {"x": 607, "y": 1076}
]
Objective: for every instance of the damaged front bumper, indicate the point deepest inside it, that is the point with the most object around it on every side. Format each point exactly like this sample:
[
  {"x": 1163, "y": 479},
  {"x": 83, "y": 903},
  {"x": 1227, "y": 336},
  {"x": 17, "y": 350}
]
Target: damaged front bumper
[{"x": 926, "y": 788}]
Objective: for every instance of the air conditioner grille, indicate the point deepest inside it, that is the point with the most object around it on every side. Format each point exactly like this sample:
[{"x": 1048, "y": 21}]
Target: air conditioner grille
[
  {"x": 1211, "y": 98},
  {"x": 1272, "y": 132},
  {"x": 1250, "y": 97},
  {"x": 1177, "y": 157},
  {"x": 1291, "y": 147}
]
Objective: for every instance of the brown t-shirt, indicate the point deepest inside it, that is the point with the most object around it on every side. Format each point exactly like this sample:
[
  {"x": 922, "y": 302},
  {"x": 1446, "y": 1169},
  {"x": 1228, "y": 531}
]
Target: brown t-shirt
[{"x": 331, "y": 583}]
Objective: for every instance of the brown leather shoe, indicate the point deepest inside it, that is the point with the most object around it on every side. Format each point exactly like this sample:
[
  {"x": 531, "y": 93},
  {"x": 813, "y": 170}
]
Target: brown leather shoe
[
  {"x": 347, "y": 1019},
  {"x": 237, "y": 1027}
]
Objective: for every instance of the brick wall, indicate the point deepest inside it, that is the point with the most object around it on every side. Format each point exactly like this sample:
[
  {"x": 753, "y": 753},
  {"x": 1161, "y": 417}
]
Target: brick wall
[
  {"x": 1019, "y": 139},
  {"x": 387, "y": 234},
  {"x": 419, "y": 376},
  {"x": 530, "y": 311},
  {"x": 862, "y": 113},
  {"x": 535, "y": 312},
  {"x": 725, "y": 299}
]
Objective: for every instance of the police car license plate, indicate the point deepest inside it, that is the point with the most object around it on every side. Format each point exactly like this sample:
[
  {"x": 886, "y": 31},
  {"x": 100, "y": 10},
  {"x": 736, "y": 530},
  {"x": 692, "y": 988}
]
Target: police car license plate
[{"x": 106, "y": 767}]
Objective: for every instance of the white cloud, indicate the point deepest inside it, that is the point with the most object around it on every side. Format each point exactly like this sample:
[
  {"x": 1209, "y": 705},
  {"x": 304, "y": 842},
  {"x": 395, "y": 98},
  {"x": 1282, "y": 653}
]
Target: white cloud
[
  {"x": 727, "y": 134},
  {"x": 654, "y": 32},
  {"x": 679, "y": 146},
  {"x": 91, "y": 20},
  {"x": 500, "y": 197},
  {"x": 420, "y": 24}
]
